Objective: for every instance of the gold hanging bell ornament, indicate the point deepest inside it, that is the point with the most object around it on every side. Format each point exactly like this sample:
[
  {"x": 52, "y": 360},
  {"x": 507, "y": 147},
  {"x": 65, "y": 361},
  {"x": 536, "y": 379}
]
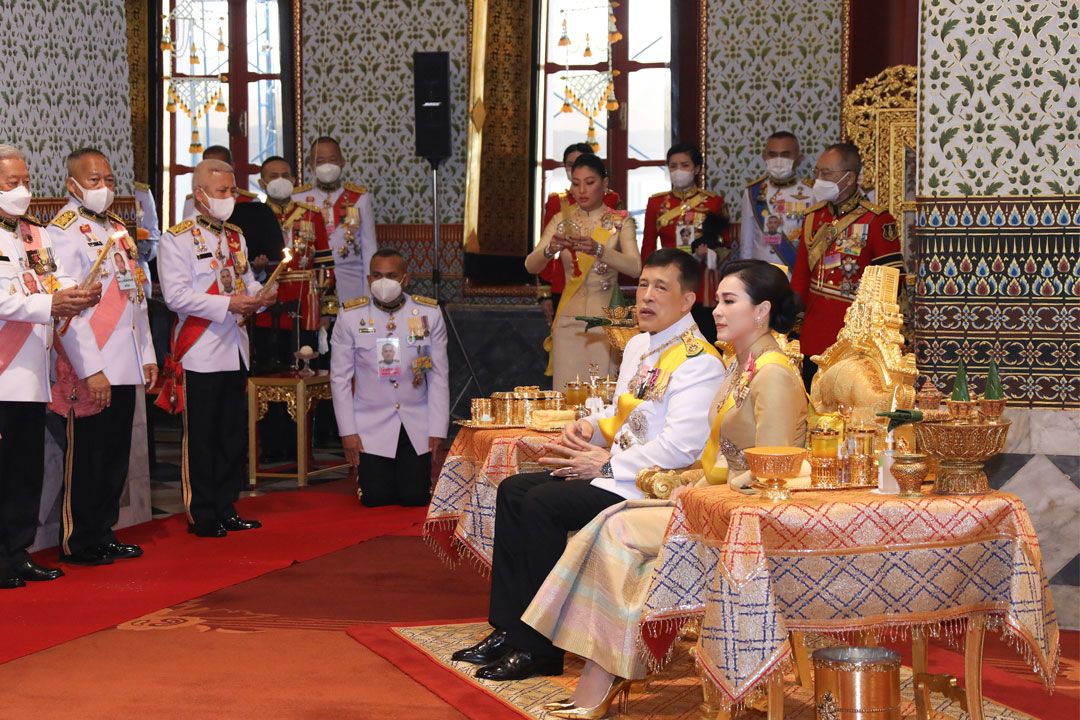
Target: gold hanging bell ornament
[
  {"x": 194, "y": 58},
  {"x": 196, "y": 144},
  {"x": 612, "y": 103},
  {"x": 166, "y": 37},
  {"x": 588, "y": 47},
  {"x": 566, "y": 107},
  {"x": 564, "y": 39},
  {"x": 590, "y": 137},
  {"x": 170, "y": 106},
  {"x": 220, "y": 38},
  {"x": 220, "y": 106}
]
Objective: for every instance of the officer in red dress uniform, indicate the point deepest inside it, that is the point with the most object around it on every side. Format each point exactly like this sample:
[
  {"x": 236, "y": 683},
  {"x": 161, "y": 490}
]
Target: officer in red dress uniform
[
  {"x": 556, "y": 202},
  {"x": 842, "y": 233},
  {"x": 674, "y": 218}
]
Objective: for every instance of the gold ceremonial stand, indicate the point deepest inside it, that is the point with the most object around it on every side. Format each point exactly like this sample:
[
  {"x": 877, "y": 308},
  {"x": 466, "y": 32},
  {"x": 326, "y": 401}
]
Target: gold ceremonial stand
[
  {"x": 299, "y": 393},
  {"x": 970, "y": 696}
]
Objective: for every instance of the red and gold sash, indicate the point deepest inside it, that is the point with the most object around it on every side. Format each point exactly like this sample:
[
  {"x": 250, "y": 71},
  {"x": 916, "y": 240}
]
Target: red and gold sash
[{"x": 681, "y": 209}]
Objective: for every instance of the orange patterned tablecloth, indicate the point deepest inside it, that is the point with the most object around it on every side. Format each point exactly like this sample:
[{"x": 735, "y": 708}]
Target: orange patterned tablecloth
[
  {"x": 842, "y": 562},
  {"x": 461, "y": 517}
]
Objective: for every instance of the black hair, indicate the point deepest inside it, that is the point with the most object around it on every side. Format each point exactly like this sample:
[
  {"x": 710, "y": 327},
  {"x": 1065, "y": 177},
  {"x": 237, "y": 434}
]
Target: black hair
[
  {"x": 689, "y": 267},
  {"x": 690, "y": 149},
  {"x": 712, "y": 227},
  {"x": 583, "y": 148},
  {"x": 849, "y": 155},
  {"x": 218, "y": 150},
  {"x": 592, "y": 162},
  {"x": 387, "y": 252},
  {"x": 273, "y": 158},
  {"x": 324, "y": 139},
  {"x": 782, "y": 135},
  {"x": 764, "y": 281}
]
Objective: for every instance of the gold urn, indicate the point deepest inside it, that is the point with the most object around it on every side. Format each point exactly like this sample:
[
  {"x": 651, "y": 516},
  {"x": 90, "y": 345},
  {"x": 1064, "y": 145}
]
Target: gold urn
[
  {"x": 773, "y": 466},
  {"x": 961, "y": 450}
]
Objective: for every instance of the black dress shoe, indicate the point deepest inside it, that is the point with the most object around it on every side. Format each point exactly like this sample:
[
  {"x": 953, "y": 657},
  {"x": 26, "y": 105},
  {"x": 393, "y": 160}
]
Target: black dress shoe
[
  {"x": 207, "y": 530},
  {"x": 238, "y": 523},
  {"x": 32, "y": 572},
  {"x": 10, "y": 583},
  {"x": 117, "y": 550},
  {"x": 487, "y": 651},
  {"x": 520, "y": 664},
  {"x": 91, "y": 557}
]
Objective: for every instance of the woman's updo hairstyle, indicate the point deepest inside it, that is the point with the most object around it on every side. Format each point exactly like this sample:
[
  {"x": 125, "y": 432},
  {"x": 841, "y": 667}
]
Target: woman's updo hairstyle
[
  {"x": 592, "y": 162},
  {"x": 764, "y": 281}
]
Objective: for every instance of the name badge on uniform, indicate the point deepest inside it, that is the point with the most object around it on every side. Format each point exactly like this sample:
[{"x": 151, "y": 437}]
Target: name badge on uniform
[
  {"x": 125, "y": 280},
  {"x": 389, "y": 362},
  {"x": 226, "y": 281},
  {"x": 204, "y": 256},
  {"x": 684, "y": 235}
]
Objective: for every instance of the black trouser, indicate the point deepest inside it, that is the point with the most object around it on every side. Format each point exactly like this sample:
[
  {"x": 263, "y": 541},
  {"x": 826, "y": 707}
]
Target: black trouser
[
  {"x": 533, "y": 514},
  {"x": 97, "y": 468},
  {"x": 215, "y": 441},
  {"x": 22, "y": 463},
  {"x": 404, "y": 479},
  {"x": 703, "y": 317}
]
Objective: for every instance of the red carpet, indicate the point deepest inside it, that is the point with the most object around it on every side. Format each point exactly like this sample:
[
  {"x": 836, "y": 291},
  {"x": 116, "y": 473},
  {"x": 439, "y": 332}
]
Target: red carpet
[
  {"x": 470, "y": 700},
  {"x": 297, "y": 526}
]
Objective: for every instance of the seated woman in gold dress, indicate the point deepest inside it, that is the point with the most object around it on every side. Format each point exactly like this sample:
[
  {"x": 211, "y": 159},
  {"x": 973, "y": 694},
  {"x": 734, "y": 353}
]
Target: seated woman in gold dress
[
  {"x": 594, "y": 244},
  {"x": 591, "y": 602}
]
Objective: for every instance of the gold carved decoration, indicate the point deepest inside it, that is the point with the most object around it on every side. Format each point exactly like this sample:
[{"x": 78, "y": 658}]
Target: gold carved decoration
[
  {"x": 138, "y": 57},
  {"x": 287, "y": 394},
  {"x": 298, "y": 85},
  {"x": 880, "y": 117},
  {"x": 866, "y": 366}
]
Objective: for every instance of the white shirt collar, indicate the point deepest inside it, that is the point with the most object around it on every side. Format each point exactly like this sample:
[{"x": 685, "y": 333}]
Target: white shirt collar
[{"x": 677, "y": 328}]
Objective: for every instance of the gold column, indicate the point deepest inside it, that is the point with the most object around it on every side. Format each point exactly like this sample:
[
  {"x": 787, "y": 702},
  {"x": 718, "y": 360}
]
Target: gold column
[{"x": 137, "y": 15}]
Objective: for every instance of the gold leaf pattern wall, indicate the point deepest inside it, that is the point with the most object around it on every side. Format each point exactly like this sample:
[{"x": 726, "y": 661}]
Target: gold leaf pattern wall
[
  {"x": 64, "y": 85},
  {"x": 771, "y": 66},
  {"x": 358, "y": 87}
]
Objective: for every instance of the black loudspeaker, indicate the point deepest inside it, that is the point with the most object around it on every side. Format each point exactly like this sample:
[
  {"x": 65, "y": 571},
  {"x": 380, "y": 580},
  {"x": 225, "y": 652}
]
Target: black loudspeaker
[{"x": 431, "y": 92}]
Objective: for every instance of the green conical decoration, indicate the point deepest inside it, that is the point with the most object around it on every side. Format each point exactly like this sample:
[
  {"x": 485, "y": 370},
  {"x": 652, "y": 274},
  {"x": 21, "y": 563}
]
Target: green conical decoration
[
  {"x": 617, "y": 297},
  {"x": 901, "y": 417},
  {"x": 960, "y": 388},
  {"x": 993, "y": 390}
]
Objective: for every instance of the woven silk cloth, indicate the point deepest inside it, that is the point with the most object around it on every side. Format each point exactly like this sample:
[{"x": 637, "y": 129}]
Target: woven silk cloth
[
  {"x": 461, "y": 517},
  {"x": 842, "y": 562}
]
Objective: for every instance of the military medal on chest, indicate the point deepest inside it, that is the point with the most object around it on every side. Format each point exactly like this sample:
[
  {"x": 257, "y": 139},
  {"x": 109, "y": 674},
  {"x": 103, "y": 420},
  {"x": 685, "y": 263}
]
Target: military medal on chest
[{"x": 350, "y": 222}]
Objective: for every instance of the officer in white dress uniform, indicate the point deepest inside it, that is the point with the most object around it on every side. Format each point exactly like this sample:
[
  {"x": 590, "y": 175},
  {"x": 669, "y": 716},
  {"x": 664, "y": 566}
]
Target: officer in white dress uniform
[
  {"x": 347, "y": 213},
  {"x": 100, "y": 444},
  {"x": 392, "y": 349},
  {"x": 206, "y": 279},
  {"x": 212, "y": 152},
  {"x": 667, "y": 372},
  {"x": 773, "y": 206},
  {"x": 34, "y": 290}
]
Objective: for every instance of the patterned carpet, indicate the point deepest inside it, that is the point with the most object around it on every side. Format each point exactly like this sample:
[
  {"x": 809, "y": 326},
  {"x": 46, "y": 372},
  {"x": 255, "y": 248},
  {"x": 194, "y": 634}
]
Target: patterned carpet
[{"x": 673, "y": 694}]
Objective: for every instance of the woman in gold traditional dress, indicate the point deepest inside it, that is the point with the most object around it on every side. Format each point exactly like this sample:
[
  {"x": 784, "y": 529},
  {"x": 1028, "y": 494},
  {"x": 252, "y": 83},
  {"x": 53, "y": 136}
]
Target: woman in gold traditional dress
[
  {"x": 591, "y": 602},
  {"x": 595, "y": 244}
]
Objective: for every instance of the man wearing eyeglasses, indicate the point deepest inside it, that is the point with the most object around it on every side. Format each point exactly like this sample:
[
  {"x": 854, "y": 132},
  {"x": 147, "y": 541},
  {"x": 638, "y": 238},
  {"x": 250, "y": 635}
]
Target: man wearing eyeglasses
[{"x": 842, "y": 233}]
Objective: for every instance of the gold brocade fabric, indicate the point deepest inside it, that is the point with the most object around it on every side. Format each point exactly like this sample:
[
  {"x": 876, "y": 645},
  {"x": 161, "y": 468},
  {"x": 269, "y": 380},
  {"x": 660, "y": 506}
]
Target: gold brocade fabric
[
  {"x": 461, "y": 517},
  {"x": 842, "y": 562}
]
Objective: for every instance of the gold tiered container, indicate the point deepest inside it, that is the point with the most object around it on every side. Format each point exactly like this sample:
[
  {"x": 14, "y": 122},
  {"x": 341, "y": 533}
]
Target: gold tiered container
[
  {"x": 623, "y": 327},
  {"x": 773, "y": 466},
  {"x": 962, "y": 449}
]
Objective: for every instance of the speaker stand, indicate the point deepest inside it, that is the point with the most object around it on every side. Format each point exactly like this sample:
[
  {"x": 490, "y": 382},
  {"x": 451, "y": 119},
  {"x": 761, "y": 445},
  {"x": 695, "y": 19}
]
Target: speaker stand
[{"x": 436, "y": 281}]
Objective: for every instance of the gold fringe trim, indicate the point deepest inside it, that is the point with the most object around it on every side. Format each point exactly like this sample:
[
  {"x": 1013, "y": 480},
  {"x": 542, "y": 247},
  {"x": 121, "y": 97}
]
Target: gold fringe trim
[{"x": 67, "y": 517}]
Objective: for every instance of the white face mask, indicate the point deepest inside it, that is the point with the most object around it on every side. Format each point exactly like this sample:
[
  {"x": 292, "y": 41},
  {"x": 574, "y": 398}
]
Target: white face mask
[
  {"x": 826, "y": 190},
  {"x": 328, "y": 173},
  {"x": 780, "y": 168},
  {"x": 15, "y": 202},
  {"x": 220, "y": 208},
  {"x": 681, "y": 179},
  {"x": 97, "y": 200},
  {"x": 386, "y": 290},
  {"x": 279, "y": 188}
]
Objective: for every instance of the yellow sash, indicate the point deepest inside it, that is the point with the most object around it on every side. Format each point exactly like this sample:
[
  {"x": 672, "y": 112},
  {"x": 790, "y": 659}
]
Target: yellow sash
[
  {"x": 669, "y": 361},
  {"x": 573, "y": 284},
  {"x": 295, "y": 215},
  {"x": 718, "y": 475},
  {"x": 682, "y": 208},
  {"x": 819, "y": 244}
]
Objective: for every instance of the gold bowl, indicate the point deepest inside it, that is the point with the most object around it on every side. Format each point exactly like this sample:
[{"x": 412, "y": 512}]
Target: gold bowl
[
  {"x": 623, "y": 328},
  {"x": 961, "y": 451},
  {"x": 910, "y": 470},
  {"x": 773, "y": 466},
  {"x": 991, "y": 410}
]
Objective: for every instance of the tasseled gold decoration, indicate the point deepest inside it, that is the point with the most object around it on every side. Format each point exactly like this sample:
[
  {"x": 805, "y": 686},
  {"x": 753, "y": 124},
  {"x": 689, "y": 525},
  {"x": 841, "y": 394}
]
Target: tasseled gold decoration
[
  {"x": 564, "y": 39},
  {"x": 588, "y": 47},
  {"x": 196, "y": 144},
  {"x": 194, "y": 55}
]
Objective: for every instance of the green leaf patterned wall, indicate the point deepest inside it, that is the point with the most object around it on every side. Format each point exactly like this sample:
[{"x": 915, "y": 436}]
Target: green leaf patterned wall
[
  {"x": 771, "y": 66},
  {"x": 358, "y": 87},
  {"x": 999, "y": 98},
  {"x": 64, "y": 85}
]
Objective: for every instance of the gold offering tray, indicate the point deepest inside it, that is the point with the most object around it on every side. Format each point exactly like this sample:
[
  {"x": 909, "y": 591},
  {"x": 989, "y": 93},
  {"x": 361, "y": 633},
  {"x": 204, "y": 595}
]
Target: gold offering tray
[
  {"x": 799, "y": 486},
  {"x": 538, "y": 428},
  {"x": 486, "y": 426}
]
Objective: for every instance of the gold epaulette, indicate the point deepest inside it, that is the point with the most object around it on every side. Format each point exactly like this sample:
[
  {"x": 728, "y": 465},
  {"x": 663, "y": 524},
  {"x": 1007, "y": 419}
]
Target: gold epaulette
[
  {"x": 141, "y": 186},
  {"x": 64, "y": 219},
  {"x": 301, "y": 188},
  {"x": 181, "y": 227},
  {"x": 246, "y": 193},
  {"x": 709, "y": 193},
  {"x": 189, "y": 196},
  {"x": 32, "y": 220},
  {"x": 306, "y": 206},
  {"x": 115, "y": 217},
  {"x": 423, "y": 300},
  {"x": 752, "y": 183},
  {"x": 876, "y": 209},
  {"x": 816, "y": 206},
  {"x": 355, "y": 302},
  {"x": 234, "y": 228},
  {"x": 355, "y": 188},
  {"x": 693, "y": 344},
  {"x": 808, "y": 182}
]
